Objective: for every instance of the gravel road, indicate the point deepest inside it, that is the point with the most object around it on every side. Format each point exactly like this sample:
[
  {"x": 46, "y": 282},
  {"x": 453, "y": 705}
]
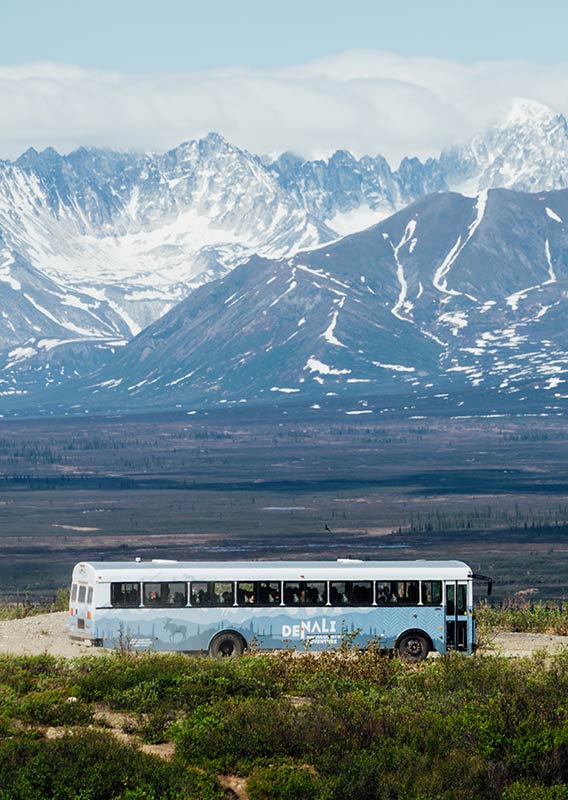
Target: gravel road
[{"x": 47, "y": 633}]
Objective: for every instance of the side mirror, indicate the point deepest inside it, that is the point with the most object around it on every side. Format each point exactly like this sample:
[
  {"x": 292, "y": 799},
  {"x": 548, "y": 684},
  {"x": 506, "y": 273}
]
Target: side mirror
[{"x": 488, "y": 580}]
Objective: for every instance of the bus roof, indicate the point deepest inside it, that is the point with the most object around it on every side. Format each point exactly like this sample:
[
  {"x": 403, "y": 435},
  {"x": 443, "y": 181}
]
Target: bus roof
[{"x": 153, "y": 571}]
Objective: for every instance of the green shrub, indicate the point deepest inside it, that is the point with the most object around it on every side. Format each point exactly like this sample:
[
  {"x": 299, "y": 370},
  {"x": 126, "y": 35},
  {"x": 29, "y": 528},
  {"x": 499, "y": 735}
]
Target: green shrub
[
  {"x": 144, "y": 682},
  {"x": 233, "y": 734},
  {"x": 527, "y": 791},
  {"x": 25, "y": 674},
  {"x": 285, "y": 782},
  {"x": 53, "y": 707},
  {"x": 93, "y": 766}
]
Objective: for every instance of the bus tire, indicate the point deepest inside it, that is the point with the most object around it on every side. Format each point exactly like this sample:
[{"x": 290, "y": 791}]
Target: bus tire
[
  {"x": 227, "y": 645},
  {"x": 413, "y": 647}
]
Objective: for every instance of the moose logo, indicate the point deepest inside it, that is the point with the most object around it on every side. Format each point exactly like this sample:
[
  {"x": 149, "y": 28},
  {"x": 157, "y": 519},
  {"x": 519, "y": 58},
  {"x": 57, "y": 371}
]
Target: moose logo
[{"x": 174, "y": 629}]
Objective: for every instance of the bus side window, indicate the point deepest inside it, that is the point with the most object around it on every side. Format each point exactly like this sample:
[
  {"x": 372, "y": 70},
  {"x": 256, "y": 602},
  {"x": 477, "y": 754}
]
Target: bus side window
[
  {"x": 384, "y": 593},
  {"x": 405, "y": 592},
  {"x": 361, "y": 593},
  {"x": 222, "y": 593},
  {"x": 315, "y": 593},
  {"x": 175, "y": 593},
  {"x": 200, "y": 594},
  {"x": 293, "y": 593},
  {"x": 125, "y": 595},
  {"x": 269, "y": 593},
  {"x": 432, "y": 593},
  {"x": 73, "y": 592},
  {"x": 305, "y": 593},
  {"x": 338, "y": 593},
  {"x": 246, "y": 593}
]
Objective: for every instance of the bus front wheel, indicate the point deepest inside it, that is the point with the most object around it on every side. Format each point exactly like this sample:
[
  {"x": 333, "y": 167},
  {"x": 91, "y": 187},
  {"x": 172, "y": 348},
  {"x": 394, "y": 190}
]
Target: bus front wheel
[
  {"x": 413, "y": 647},
  {"x": 226, "y": 645}
]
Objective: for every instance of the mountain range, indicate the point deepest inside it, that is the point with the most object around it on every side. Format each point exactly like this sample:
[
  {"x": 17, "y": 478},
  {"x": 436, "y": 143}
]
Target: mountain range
[{"x": 209, "y": 274}]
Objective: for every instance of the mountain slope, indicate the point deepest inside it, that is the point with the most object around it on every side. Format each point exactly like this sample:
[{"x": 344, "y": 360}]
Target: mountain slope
[{"x": 451, "y": 292}]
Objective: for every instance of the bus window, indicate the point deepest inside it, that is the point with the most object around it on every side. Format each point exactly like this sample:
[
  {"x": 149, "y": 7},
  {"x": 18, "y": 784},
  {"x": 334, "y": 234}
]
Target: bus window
[
  {"x": 269, "y": 593},
  {"x": 222, "y": 593},
  {"x": 125, "y": 595},
  {"x": 432, "y": 593},
  {"x": 293, "y": 594},
  {"x": 73, "y": 592},
  {"x": 165, "y": 594},
  {"x": 305, "y": 593},
  {"x": 177, "y": 594},
  {"x": 90, "y": 596},
  {"x": 246, "y": 593},
  {"x": 462, "y": 599},
  {"x": 404, "y": 592},
  {"x": 353, "y": 593},
  {"x": 82, "y": 594},
  {"x": 338, "y": 593},
  {"x": 316, "y": 594},
  {"x": 361, "y": 593},
  {"x": 384, "y": 592},
  {"x": 200, "y": 594}
]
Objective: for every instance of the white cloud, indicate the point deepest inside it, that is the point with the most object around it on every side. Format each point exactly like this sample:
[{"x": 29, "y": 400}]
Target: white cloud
[{"x": 369, "y": 102}]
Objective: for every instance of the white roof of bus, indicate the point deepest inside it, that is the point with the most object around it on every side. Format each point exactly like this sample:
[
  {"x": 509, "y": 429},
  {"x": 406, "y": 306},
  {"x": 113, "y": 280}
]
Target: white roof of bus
[{"x": 151, "y": 571}]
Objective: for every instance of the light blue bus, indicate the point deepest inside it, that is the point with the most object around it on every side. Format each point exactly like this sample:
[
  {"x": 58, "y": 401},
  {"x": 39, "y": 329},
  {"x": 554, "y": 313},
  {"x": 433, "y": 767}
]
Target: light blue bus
[{"x": 411, "y": 607}]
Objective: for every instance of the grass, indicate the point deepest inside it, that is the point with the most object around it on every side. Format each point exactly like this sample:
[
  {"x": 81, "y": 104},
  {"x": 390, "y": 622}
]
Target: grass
[
  {"x": 27, "y": 608},
  {"x": 524, "y": 617}
]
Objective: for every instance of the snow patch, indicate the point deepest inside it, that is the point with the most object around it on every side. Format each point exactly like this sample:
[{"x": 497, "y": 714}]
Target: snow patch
[
  {"x": 552, "y": 215},
  {"x": 393, "y": 367},
  {"x": 324, "y": 369}
]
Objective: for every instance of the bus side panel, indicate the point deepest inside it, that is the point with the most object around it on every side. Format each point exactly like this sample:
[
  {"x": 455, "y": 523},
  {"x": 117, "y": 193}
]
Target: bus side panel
[{"x": 322, "y": 628}]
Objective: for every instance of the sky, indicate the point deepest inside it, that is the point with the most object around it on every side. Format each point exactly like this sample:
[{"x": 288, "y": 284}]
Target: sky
[{"x": 378, "y": 77}]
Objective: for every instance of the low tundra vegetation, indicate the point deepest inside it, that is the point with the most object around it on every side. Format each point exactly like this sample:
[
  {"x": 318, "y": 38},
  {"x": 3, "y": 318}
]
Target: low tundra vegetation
[
  {"x": 525, "y": 617},
  {"x": 341, "y": 726}
]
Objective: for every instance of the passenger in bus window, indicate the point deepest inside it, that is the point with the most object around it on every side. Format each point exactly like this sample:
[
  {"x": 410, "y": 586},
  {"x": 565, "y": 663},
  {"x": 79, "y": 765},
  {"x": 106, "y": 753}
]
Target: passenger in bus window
[
  {"x": 362, "y": 593},
  {"x": 291, "y": 594},
  {"x": 199, "y": 594},
  {"x": 383, "y": 593},
  {"x": 337, "y": 594},
  {"x": 153, "y": 599},
  {"x": 315, "y": 594}
]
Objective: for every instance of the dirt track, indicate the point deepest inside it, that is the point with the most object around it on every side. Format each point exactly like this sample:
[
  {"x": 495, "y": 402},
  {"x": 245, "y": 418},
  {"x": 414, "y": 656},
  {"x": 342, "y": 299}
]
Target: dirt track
[{"x": 46, "y": 633}]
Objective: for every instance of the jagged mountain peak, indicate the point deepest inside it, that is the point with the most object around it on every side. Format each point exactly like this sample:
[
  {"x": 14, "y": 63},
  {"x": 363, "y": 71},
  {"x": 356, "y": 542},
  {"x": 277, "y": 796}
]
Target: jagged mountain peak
[
  {"x": 527, "y": 150},
  {"x": 524, "y": 110}
]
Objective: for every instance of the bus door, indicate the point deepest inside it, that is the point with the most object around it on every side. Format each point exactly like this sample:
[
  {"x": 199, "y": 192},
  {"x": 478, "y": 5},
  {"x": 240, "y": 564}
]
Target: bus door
[
  {"x": 456, "y": 615},
  {"x": 83, "y": 606}
]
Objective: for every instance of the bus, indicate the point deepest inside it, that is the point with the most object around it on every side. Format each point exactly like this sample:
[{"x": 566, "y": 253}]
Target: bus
[{"x": 410, "y": 607}]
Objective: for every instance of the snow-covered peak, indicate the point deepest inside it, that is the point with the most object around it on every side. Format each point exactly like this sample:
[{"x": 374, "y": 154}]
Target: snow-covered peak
[
  {"x": 527, "y": 151},
  {"x": 524, "y": 111}
]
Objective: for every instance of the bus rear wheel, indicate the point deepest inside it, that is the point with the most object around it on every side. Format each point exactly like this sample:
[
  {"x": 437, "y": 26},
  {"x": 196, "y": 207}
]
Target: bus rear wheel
[
  {"x": 413, "y": 647},
  {"x": 226, "y": 645}
]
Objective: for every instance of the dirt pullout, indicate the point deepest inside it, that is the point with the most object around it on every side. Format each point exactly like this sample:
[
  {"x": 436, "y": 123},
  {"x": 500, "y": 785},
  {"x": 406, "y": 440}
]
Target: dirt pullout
[
  {"x": 525, "y": 644},
  {"x": 44, "y": 633},
  {"x": 47, "y": 633}
]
